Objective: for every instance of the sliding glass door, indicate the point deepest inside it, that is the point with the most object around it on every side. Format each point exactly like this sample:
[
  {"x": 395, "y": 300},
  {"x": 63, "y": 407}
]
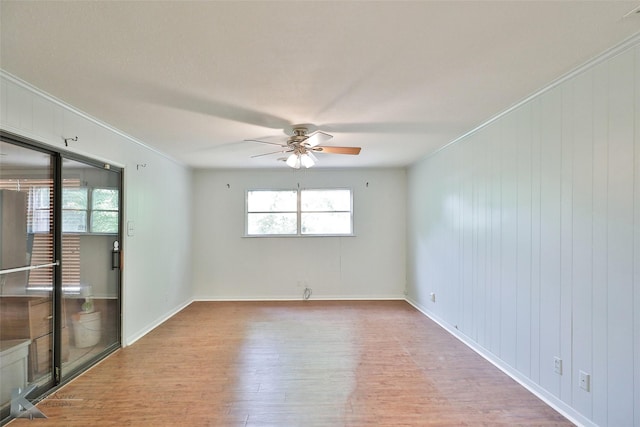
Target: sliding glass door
[
  {"x": 60, "y": 220},
  {"x": 27, "y": 271},
  {"x": 90, "y": 261}
]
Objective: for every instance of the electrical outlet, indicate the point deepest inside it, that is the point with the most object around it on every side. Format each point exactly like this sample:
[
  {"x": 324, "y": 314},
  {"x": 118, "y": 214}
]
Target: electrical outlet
[
  {"x": 585, "y": 381},
  {"x": 433, "y": 296},
  {"x": 557, "y": 365}
]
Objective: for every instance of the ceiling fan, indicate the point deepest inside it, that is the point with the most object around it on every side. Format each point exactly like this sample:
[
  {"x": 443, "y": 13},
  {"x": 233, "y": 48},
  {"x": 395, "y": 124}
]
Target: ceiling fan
[{"x": 302, "y": 145}]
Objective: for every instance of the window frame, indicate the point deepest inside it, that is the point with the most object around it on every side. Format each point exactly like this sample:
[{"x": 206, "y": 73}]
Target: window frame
[
  {"x": 299, "y": 213},
  {"x": 85, "y": 210},
  {"x": 91, "y": 210}
]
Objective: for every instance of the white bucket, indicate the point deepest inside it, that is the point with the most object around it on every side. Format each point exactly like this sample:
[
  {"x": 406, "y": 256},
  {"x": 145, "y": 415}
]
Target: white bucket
[{"x": 86, "y": 328}]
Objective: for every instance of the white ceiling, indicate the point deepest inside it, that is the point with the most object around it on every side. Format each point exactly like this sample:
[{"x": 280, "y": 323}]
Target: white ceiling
[{"x": 399, "y": 79}]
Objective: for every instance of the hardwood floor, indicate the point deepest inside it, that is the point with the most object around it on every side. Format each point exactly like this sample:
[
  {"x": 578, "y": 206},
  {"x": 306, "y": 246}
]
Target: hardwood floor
[{"x": 307, "y": 363}]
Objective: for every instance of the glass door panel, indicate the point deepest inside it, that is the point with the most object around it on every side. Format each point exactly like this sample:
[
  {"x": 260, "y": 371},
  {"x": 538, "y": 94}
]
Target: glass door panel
[
  {"x": 26, "y": 270},
  {"x": 90, "y": 280}
]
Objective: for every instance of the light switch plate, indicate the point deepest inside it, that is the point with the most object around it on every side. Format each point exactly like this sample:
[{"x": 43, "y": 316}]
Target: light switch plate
[{"x": 557, "y": 365}]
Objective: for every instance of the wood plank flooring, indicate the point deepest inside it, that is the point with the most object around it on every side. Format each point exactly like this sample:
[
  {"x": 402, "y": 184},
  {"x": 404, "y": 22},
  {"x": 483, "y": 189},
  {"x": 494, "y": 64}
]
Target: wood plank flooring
[{"x": 306, "y": 363}]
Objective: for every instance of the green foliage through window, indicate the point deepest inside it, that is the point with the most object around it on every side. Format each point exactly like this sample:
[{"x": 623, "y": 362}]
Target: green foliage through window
[
  {"x": 299, "y": 212},
  {"x": 102, "y": 217}
]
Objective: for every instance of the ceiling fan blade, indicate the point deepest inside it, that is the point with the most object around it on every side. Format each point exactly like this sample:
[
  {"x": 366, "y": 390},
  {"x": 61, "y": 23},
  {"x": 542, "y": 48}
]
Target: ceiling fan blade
[
  {"x": 337, "y": 150},
  {"x": 273, "y": 152},
  {"x": 317, "y": 138},
  {"x": 272, "y": 140}
]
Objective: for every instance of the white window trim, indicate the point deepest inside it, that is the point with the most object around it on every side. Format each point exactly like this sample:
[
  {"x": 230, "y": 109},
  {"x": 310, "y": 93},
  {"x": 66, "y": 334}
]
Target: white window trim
[{"x": 298, "y": 214}]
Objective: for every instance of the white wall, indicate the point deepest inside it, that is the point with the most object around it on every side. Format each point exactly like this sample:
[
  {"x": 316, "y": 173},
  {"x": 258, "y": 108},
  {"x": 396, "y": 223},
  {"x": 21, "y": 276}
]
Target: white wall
[
  {"x": 229, "y": 266},
  {"x": 528, "y": 232},
  {"x": 156, "y": 274}
]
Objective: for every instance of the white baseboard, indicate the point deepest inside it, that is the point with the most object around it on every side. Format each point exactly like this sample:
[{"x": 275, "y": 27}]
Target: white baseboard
[
  {"x": 132, "y": 339},
  {"x": 551, "y": 400},
  {"x": 298, "y": 298}
]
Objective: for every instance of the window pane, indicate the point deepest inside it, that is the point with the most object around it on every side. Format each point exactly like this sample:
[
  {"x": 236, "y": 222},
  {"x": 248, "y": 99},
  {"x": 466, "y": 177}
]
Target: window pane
[
  {"x": 74, "y": 221},
  {"x": 276, "y": 223},
  {"x": 104, "y": 221},
  {"x": 272, "y": 201},
  {"x": 39, "y": 222},
  {"x": 325, "y": 200},
  {"x": 326, "y": 223},
  {"x": 104, "y": 199},
  {"x": 39, "y": 198},
  {"x": 74, "y": 198}
]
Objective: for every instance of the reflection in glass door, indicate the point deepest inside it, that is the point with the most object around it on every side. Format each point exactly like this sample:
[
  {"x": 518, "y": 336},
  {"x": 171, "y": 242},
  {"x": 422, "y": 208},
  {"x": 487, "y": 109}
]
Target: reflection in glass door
[
  {"x": 59, "y": 267},
  {"x": 90, "y": 266},
  {"x": 27, "y": 276}
]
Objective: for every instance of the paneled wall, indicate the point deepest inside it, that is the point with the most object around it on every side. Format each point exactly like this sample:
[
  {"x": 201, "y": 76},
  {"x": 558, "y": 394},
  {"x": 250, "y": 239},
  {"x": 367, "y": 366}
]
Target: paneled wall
[
  {"x": 528, "y": 233},
  {"x": 371, "y": 264},
  {"x": 156, "y": 274}
]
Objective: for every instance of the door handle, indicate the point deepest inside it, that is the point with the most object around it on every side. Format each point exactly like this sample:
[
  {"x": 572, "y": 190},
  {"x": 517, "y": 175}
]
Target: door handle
[{"x": 115, "y": 256}]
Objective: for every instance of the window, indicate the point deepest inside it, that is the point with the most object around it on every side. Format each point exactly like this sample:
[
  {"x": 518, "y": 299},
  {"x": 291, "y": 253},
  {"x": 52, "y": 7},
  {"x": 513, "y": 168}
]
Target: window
[
  {"x": 272, "y": 212},
  {"x": 104, "y": 210},
  {"x": 325, "y": 211},
  {"x": 39, "y": 233},
  {"x": 311, "y": 212},
  {"x": 39, "y": 209},
  {"x": 78, "y": 218},
  {"x": 74, "y": 209}
]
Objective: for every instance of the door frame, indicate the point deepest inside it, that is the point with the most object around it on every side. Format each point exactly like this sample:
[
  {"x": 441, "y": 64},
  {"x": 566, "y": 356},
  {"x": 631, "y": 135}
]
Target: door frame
[{"x": 57, "y": 155}]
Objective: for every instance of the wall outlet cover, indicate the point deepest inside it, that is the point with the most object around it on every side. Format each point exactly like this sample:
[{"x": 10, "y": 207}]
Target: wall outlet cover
[{"x": 585, "y": 381}]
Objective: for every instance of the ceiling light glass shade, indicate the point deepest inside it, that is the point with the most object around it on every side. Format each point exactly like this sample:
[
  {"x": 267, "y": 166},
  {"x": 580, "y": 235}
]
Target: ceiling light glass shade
[
  {"x": 294, "y": 161},
  {"x": 306, "y": 161}
]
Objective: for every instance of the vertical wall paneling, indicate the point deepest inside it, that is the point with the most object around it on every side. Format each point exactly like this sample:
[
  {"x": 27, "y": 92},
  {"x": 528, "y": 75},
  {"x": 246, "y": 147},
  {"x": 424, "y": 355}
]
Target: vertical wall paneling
[
  {"x": 535, "y": 240},
  {"x": 523, "y": 241},
  {"x": 474, "y": 259},
  {"x": 550, "y": 200},
  {"x": 495, "y": 280},
  {"x": 455, "y": 294},
  {"x": 620, "y": 237},
  {"x": 508, "y": 318},
  {"x": 480, "y": 248},
  {"x": 446, "y": 303},
  {"x": 636, "y": 248},
  {"x": 582, "y": 208},
  {"x": 544, "y": 241},
  {"x": 566, "y": 246},
  {"x": 466, "y": 288},
  {"x": 599, "y": 247}
]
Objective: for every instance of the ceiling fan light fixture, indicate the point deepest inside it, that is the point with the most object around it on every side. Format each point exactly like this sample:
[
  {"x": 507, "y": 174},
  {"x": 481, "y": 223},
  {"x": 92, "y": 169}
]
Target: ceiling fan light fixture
[
  {"x": 293, "y": 161},
  {"x": 306, "y": 160},
  {"x": 303, "y": 144}
]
